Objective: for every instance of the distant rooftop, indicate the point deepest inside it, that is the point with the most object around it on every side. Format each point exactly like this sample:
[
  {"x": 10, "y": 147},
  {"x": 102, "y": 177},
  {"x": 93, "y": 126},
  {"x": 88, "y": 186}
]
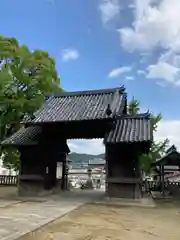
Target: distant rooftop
[
  {"x": 171, "y": 149},
  {"x": 97, "y": 161}
]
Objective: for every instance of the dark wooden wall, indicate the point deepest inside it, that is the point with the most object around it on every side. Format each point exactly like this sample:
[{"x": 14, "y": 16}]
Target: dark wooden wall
[
  {"x": 123, "y": 178},
  {"x": 38, "y": 168}
]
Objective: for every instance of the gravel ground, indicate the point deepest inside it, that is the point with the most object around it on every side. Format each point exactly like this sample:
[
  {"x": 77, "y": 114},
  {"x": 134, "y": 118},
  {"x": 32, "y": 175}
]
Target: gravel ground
[{"x": 115, "y": 223}]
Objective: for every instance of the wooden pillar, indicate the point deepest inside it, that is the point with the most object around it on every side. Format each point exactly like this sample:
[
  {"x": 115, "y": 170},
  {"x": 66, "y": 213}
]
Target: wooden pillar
[
  {"x": 32, "y": 171},
  {"x": 107, "y": 173},
  {"x": 65, "y": 173},
  {"x": 66, "y": 177},
  {"x": 162, "y": 179},
  {"x": 138, "y": 188},
  {"x": 50, "y": 174},
  {"x": 122, "y": 180},
  {"x": 63, "y": 186}
]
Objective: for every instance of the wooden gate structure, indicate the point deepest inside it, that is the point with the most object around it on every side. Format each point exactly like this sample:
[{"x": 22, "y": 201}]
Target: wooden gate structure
[{"x": 42, "y": 140}]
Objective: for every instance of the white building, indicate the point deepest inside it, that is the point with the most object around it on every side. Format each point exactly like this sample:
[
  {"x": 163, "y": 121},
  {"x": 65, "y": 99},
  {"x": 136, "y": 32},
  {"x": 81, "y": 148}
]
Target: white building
[{"x": 97, "y": 163}]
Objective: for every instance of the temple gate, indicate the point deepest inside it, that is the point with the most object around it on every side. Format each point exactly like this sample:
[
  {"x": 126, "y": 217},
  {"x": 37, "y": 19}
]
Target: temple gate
[{"x": 42, "y": 140}]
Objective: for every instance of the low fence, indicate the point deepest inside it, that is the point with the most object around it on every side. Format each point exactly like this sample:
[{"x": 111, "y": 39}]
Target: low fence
[
  {"x": 172, "y": 187},
  {"x": 7, "y": 180},
  {"x": 154, "y": 184}
]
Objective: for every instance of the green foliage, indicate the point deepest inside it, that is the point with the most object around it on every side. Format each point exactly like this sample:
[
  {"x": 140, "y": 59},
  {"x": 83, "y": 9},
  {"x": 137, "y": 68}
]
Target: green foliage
[
  {"x": 157, "y": 148},
  {"x": 156, "y": 152},
  {"x": 133, "y": 106},
  {"x": 25, "y": 77},
  {"x": 11, "y": 159},
  {"x": 155, "y": 120}
]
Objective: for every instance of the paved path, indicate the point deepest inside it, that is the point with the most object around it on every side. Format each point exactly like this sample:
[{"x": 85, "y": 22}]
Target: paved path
[{"x": 20, "y": 217}]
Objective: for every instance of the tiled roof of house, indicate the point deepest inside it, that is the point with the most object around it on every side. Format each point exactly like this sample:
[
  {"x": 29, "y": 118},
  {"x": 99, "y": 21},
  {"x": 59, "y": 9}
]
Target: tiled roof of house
[
  {"x": 171, "y": 149},
  {"x": 131, "y": 129},
  {"x": 77, "y": 106},
  {"x": 96, "y": 161},
  {"x": 23, "y": 136},
  {"x": 27, "y": 136},
  {"x": 172, "y": 157}
]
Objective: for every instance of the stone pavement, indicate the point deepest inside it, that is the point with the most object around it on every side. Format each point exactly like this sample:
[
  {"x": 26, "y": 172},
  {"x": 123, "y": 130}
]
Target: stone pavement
[{"x": 20, "y": 216}]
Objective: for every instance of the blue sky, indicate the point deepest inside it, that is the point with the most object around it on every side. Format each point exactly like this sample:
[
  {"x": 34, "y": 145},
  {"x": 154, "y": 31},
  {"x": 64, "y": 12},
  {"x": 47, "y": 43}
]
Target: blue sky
[{"x": 107, "y": 43}]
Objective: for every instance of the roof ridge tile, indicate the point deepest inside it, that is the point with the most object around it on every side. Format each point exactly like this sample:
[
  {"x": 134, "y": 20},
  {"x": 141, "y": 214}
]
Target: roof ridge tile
[{"x": 86, "y": 92}]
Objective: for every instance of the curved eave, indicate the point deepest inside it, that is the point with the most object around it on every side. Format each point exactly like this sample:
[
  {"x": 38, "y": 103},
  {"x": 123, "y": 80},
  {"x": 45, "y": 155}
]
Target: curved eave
[
  {"x": 18, "y": 145},
  {"x": 130, "y": 142}
]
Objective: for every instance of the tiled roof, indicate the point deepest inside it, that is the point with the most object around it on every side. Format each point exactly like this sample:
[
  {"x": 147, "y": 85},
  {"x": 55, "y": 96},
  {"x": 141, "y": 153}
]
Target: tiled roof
[
  {"x": 170, "y": 158},
  {"x": 96, "y": 161},
  {"x": 23, "y": 136},
  {"x": 27, "y": 136},
  {"x": 131, "y": 129},
  {"x": 171, "y": 149},
  {"x": 77, "y": 106}
]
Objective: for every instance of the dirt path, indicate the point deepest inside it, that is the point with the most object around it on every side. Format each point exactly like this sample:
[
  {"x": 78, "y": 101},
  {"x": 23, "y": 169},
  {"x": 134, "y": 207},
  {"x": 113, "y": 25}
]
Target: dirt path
[{"x": 102, "y": 223}]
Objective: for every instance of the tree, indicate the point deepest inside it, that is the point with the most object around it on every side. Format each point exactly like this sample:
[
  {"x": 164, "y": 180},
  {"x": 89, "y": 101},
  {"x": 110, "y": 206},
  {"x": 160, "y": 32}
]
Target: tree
[
  {"x": 157, "y": 148},
  {"x": 25, "y": 77},
  {"x": 133, "y": 106},
  {"x": 10, "y": 159}
]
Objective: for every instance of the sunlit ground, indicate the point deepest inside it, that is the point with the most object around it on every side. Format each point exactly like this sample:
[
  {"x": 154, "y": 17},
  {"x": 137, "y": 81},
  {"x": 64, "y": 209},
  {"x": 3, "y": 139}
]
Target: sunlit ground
[{"x": 115, "y": 223}]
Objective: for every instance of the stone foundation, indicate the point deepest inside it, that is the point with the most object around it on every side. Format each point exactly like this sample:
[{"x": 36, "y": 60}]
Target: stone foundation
[
  {"x": 31, "y": 188},
  {"x": 36, "y": 188},
  {"x": 126, "y": 188},
  {"x": 121, "y": 190}
]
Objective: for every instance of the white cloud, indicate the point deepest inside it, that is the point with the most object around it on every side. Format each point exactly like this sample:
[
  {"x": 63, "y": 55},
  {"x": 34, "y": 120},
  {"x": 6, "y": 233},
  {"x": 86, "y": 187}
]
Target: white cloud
[
  {"x": 167, "y": 129},
  {"x": 141, "y": 72},
  {"x": 117, "y": 71},
  {"x": 171, "y": 130},
  {"x": 109, "y": 9},
  {"x": 161, "y": 83},
  {"x": 94, "y": 146},
  {"x": 132, "y": 6},
  {"x": 154, "y": 25},
  {"x": 165, "y": 71},
  {"x": 69, "y": 54},
  {"x": 129, "y": 78}
]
